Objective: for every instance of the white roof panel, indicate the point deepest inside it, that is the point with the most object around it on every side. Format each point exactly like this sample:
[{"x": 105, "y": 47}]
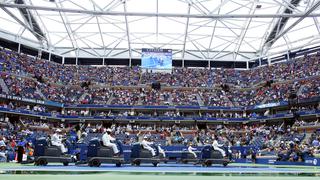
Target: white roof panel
[{"x": 146, "y": 28}]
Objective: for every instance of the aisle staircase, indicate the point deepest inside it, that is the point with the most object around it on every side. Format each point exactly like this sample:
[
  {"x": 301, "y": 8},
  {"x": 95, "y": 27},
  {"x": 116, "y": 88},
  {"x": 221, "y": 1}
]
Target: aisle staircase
[
  {"x": 38, "y": 91},
  {"x": 170, "y": 100},
  {"x": 4, "y": 87},
  {"x": 300, "y": 90},
  {"x": 139, "y": 103},
  {"x": 81, "y": 98},
  {"x": 264, "y": 100},
  {"x": 110, "y": 99},
  {"x": 227, "y": 99},
  {"x": 306, "y": 138},
  {"x": 200, "y": 102}
]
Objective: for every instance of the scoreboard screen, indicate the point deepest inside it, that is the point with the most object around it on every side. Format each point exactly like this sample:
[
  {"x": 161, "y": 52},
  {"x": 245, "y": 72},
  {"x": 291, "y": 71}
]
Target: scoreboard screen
[{"x": 156, "y": 58}]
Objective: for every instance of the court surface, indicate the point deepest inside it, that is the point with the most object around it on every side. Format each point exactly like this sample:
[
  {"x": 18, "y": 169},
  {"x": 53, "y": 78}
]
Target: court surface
[{"x": 12, "y": 171}]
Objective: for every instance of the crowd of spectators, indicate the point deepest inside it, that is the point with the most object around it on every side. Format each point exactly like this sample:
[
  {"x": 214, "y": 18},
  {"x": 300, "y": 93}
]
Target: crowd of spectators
[
  {"x": 155, "y": 97},
  {"x": 215, "y": 97},
  {"x": 182, "y": 77},
  {"x": 97, "y": 96},
  {"x": 310, "y": 89},
  {"x": 125, "y": 97},
  {"x": 314, "y": 141},
  {"x": 34, "y": 78},
  {"x": 29, "y": 77},
  {"x": 277, "y": 140},
  {"x": 62, "y": 94},
  {"x": 183, "y": 97},
  {"x": 22, "y": 87}
]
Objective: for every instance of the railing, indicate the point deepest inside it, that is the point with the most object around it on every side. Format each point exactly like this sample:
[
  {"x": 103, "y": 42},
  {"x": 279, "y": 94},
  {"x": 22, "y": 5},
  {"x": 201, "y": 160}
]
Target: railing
[
  {"x": 45, "y": 115},
  {"x": 97, "y": 106}
]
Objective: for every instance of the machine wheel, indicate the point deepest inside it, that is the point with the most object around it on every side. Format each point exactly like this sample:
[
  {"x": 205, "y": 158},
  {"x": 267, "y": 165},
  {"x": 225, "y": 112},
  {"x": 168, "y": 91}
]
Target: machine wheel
[
  {"x": 65, "y": 163},
  {"x": 118, "y": 164},
  {"x": 225, "y": 164},
  {"x": 90, "y": 163},
  {"x": 137, "y": 163},
  {"x": 42, "y": 162},
  {"x": 155, "y": 164},
  {"x": 95, "y": 163},
  {"x": 209, "y": 164},
  {"x": 206, "y": 164},
  {"x": 184, "y": 161}
]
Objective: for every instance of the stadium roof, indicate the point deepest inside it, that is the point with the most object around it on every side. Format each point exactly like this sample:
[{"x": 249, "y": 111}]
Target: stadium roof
[{"x": 238, "y": 30}]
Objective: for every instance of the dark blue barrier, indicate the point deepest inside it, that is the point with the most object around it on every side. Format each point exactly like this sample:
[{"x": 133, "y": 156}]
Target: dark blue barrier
[
  {"x": 175, "y": 152},
  {"x": 150, "y": 118},
  {"x": 309, "y": 112},
  {"x": 57, "y": 104},
  {"x": 36, "y": 101},
  {"x": 153, "y": 107},
  {"x": 52, "y": 103},
  {"x": 187, "y": 107},
  {"x": 310, "y": 161}
]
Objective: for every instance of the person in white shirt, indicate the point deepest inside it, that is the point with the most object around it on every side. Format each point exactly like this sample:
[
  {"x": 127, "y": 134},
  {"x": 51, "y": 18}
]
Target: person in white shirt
[
  {"x": 56, "y": 140},
  {"x": 191, "y": 150},
  {"x": 3, "y": 152},
  {"x": 216, "y": 146},
  {"x": 107, "y": 138},
  {"x": 146, "y": 145}
]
